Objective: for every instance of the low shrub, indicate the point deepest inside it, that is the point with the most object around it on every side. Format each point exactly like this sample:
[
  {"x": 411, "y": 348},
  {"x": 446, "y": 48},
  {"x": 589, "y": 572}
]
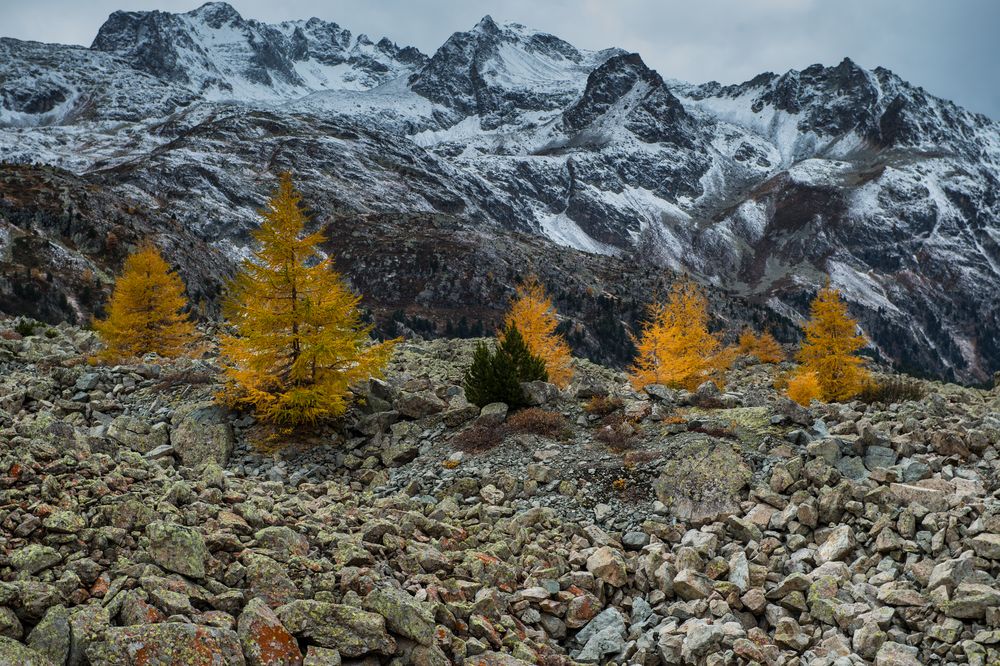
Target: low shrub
[
  {"x": 28, "y": 327},
  {"x": 478, "y": 438},
  {"x": 601, "y": 405},
  {"x": 891, "y": 390},
  {"x": 713, "y": 430},
  {"x": 535, "y": 421},
  {"x": 618, "y": 438}
]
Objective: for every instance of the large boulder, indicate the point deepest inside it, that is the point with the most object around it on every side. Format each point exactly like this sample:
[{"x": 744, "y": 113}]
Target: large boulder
[
  {"x": 265, "y": 640},
  {"x": 12, "y": 652},
  {"x": 167, "y": 643},
  {"x": 403, "y": 614},
  {"x": 202, "y": 433},
  {"x": 608, "y": 565},
  {"x": 704, "y": 481},
  {"x": 136, "y": 433},
  {"x": 51, "y": 636},
  {"x": 351, "y": 631},
  {"x": 177, "y": 548}
]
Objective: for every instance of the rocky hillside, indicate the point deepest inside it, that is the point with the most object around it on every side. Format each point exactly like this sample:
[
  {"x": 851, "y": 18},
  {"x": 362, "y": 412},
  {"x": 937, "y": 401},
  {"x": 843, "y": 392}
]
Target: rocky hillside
[
  {"x": 139, "y": 525},
  {"x": 762, "y": 189}
]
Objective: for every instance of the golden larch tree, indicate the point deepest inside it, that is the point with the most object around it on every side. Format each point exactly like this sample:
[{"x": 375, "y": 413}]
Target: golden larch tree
[
  {"x": 299, "y": 340},
  {"x": 764, "y": 347},
  {"x": 829, "y": 347},
  {"x": 675, "y": 347},
  {"x": 146, "y": 311},
  {"x": 534, "y": 316}
]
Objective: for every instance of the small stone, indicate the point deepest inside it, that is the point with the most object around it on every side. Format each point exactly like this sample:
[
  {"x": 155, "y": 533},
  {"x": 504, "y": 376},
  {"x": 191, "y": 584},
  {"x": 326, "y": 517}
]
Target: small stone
[
  {"x": 64, "y": 522},
  {"x": 635, "y": 540}
]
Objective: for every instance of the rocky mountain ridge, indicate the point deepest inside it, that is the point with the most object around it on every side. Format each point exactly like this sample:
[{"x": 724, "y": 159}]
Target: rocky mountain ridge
[{"x": 763, "y": 189}]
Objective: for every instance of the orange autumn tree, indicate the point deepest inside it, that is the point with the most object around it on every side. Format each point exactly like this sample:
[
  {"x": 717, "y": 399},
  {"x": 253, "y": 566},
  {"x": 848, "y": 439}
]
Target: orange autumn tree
[
  {"x": 675, "y": 347},
  {"x": 804, "y": 387},
  {"x": 299, "y": 341},
  {"x": 764, "y": 347},
  {"x": 829, "y": 348},
  {"x": 145, "y": 314},
  {"x": 534, "y": 316}
]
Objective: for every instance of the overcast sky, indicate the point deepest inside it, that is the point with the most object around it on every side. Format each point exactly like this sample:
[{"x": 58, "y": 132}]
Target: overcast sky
[{"x": 950, "y": 47}]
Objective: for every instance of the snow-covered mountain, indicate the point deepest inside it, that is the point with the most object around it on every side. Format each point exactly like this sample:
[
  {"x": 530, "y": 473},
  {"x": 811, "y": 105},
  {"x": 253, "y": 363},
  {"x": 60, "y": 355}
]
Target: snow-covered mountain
[
  {"x": 763, "y": 189},
  {"x": 217, "y": 53}
]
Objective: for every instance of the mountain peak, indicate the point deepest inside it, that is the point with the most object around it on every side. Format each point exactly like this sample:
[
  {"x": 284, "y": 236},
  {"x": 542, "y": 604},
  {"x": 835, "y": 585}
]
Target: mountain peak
[
  {"x": 487, "y": 24},
  {"x": 216, "y": 14},
  {"x": 215, "y": 52}
]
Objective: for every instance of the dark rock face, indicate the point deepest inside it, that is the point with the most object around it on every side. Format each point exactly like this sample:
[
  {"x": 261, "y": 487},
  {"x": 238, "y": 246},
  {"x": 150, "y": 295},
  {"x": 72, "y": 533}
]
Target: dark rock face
[
  {"x": 656, "y": 115},
  {"x": 67, "y": 237},
  {"x": 245, "y": 57},
  {"x": 477, "y": 72}
]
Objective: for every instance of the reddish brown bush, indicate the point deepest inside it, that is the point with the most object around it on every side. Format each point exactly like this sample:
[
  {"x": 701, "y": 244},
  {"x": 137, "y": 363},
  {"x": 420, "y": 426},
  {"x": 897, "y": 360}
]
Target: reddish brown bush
[
  {"x": 601, "y": 405},
  {"x": 478, "y": 438},
  {"x": 618, "y": 438},
  {"x": 535, "y": 421}
]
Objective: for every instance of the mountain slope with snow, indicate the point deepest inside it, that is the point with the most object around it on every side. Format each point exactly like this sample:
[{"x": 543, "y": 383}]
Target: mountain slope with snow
[
  {"x": 764, "y": 189},
  {"x": 217, "y": 53}
]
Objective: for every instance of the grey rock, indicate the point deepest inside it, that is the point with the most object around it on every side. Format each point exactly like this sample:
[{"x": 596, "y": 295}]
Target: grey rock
[
  {"x": 177, "y": 548},
  {"x": 202, "y": 433}
]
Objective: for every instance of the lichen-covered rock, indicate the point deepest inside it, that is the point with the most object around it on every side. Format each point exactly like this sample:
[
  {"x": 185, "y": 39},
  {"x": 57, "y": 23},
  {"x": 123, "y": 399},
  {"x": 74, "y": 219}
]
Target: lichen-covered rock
[
  {"x": 51, "y": 636},
  {"x": 88, "y": 624},
  {"x": 14, "y": 653},
  {"x": 704, "y": 481},
  {"x": 351, "y": 631},
  {"x": 177, "y": 548},
  {"x": 167, "y": 643},
  {"x": 321, "y": 656},
  {"x": 265, "y": 640},
  {"x": 202, "y": 433},
  {"x": 268, "y": 580},
  {"x": 403, "y": 614},
  {"x": 35, "y": 557},
  {"x": 137, "y": 433}
]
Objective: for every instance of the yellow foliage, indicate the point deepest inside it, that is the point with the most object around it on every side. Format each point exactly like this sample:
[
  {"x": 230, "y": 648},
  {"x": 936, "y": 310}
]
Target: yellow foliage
[
  {"x": 144, "y": 315},
  {"x": 764, "y": 347},
  {"x": 804, "y": 387},
  {"x": 300, "y": 342},
  {"x": 535, "y": 318},
  {"x": 675, "y": 347},
  {"x": 830, "y": 345}
]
